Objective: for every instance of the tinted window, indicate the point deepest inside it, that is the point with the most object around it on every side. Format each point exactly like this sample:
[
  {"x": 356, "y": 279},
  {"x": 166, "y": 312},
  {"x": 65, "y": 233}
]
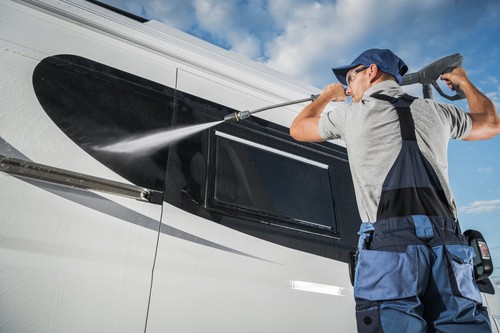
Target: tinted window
[
  {"x": 273, "y": 183},
  {"x": 94, "y": 105}
]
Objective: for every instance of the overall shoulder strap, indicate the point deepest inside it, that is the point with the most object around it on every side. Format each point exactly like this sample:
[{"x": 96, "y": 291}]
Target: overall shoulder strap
[{"x": 402, "y": 105}]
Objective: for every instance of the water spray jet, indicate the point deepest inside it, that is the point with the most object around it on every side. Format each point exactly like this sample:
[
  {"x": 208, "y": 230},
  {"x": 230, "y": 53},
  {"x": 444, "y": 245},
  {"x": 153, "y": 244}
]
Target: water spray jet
[{"x": 147, "y": 142}]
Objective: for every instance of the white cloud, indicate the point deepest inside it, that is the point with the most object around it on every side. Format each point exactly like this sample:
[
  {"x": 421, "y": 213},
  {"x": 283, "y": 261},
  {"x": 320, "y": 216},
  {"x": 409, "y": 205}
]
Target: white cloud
[
  {"x": 482, "y": 207},
  {"x": 315, "y": 37},
  {"x": 486, "y": 169},
  {"x": 236, "y": 25},
  {"x": 318, "y": 35}
]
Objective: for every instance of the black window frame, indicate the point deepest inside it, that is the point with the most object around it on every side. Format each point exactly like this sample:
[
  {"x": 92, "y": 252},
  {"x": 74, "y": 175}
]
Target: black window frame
[{"x": 271, "y": 143}]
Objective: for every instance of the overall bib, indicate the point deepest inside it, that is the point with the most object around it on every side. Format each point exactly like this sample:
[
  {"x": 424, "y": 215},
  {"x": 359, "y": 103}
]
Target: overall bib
[{"x": 414, "y": 268}]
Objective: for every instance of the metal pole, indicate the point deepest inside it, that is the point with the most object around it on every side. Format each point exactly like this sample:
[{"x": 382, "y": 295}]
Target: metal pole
[{"x": 237, "y": 116}]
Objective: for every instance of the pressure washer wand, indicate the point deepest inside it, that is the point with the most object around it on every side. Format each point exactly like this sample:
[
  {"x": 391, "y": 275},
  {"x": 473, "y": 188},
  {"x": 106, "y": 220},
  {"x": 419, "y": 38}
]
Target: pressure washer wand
[{"x": 240, "y": 115}]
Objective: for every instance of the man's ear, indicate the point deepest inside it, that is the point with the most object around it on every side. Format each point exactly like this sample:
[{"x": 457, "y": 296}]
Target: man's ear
[{"x": 374, "y": 73}]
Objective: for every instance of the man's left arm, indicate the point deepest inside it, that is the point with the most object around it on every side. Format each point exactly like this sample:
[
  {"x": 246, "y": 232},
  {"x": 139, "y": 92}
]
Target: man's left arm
[
  {"x": 305, "y": 127},
  {"x": 485, "y": 119}
]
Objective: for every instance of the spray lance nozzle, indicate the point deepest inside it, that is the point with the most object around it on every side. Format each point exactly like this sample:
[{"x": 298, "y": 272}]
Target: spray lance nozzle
[
  {"x": 236, "y": 116},
  {"x": 240, "y": 115}
]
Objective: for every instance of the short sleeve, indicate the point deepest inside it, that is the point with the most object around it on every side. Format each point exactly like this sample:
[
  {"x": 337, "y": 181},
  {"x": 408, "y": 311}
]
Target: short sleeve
[
  {"x": 459, "y": 121},
  {"x": 332, "y": 124}
]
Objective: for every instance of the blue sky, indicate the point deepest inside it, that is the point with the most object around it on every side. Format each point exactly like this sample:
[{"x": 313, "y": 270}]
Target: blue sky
[{"x": 304, "y": 39}]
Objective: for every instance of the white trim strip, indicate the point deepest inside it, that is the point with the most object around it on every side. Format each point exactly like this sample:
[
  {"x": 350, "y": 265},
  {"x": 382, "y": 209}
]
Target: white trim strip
[
  {"x": 317, "y": 288},
  {"x": 272, "y": 150}
]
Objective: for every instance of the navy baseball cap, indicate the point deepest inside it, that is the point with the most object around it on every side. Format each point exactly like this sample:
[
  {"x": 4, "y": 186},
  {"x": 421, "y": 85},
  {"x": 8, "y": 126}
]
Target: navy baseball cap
[{"x": 386, "y": 61}]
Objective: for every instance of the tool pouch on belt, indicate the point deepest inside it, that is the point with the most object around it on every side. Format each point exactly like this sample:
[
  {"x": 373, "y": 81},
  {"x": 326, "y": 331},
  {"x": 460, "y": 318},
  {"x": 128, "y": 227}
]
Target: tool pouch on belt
[
  {"x": 460, "y": 267},
  {"x": 412, "y": 205},
  {"x": 390, "y": 272},
  {"x": 385, "y": 275}
]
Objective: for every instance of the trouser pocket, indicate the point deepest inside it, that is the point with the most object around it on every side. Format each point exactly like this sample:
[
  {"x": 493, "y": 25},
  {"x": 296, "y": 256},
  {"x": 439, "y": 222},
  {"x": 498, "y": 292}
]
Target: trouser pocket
[
  {"x": 383, "y": 275},
  {"x": 460, "y": 258}
]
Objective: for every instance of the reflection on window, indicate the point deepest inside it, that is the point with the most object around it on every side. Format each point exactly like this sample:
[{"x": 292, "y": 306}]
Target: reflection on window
[
  {"x": 272, "y": 183},
  {"x": 94, "y": 105}
]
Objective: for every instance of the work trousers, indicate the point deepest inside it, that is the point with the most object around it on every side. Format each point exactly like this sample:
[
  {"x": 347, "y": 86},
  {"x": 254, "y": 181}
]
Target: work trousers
[{"x": 415, "y": 274}]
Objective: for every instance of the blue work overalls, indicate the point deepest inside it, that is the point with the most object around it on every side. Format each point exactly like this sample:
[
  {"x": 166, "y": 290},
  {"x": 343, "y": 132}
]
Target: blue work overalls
[{"x": 414, "y": 268}]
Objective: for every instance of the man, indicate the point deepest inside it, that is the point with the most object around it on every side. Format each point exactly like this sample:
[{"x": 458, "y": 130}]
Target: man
[{"x": 414, "y": 269}]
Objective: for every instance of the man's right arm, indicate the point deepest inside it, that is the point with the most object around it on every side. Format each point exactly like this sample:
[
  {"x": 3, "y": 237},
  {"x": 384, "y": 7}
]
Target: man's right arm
[
  {"x": 485, "y": 119},
  {"x": 305, "y": 125}
]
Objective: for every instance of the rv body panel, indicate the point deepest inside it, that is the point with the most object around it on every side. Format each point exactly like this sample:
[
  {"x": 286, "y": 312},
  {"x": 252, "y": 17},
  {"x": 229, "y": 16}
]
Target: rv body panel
[{"x": 234, "y": 282}]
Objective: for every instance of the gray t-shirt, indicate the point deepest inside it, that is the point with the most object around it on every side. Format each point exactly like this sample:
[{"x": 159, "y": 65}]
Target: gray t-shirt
[{"x": 372, "y": 135}]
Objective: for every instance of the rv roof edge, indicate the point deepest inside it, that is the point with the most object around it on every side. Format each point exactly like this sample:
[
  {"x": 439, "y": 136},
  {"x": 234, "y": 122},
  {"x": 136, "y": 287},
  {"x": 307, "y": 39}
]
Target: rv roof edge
[{"x": 194, "y": 52}]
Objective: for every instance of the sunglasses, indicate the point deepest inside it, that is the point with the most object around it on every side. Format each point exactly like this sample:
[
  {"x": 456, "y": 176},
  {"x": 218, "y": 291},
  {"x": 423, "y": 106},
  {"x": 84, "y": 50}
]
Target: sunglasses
[{"x": 353, "y": 74}]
